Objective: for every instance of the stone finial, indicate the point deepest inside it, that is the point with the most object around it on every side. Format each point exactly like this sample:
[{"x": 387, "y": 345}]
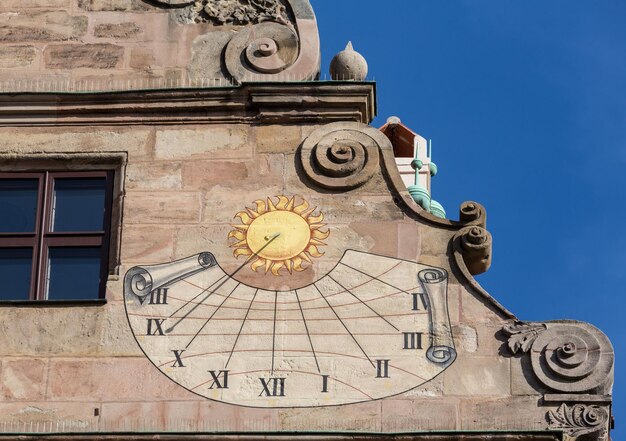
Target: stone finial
[{"x": 348, "y": 65}]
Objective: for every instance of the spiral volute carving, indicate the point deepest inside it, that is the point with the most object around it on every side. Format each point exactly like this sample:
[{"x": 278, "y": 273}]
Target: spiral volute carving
[
  {"x": 341, "y": 156},
  {"x": 265, "y": 48},
  {"x": 572, "y": 357}
]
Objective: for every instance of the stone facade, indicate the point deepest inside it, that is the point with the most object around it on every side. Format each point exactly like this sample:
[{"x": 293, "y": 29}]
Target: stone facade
[{"x": 190, "y": 167}]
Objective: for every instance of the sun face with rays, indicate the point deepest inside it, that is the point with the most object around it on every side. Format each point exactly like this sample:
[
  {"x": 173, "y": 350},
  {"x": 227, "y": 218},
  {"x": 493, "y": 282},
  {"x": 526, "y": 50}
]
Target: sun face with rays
[{"x": 278, "y": 235}]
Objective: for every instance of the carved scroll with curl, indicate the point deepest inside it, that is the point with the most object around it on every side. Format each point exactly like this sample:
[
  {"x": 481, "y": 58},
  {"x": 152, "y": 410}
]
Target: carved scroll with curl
[
  {"x": 572, "y": 357},
  {"x": 580, "y": 419},
  {"x": 342, "y": 156}
]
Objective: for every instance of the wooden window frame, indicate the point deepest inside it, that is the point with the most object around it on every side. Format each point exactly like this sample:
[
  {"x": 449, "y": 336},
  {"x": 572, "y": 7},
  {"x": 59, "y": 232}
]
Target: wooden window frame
[{"x": 43, "y": 238}]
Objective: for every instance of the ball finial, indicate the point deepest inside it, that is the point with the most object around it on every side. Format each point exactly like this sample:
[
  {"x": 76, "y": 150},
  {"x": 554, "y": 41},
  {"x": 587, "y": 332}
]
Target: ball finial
[{"x": 348, "y": 65}]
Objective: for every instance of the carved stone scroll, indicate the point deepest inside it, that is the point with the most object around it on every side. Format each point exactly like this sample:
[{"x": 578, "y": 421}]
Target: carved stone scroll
[
  {"x": 342, "y": 156},
  {"x": 475, "y": 244},
  {"x": 570, "y": 357},
  {"x": 435, "y": 283},
  {"x": 580, "y": 419}
]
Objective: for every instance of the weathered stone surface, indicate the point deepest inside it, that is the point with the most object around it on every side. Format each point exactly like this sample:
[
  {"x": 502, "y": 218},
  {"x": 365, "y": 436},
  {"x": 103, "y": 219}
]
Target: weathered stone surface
[
  {"x": 82, "y": 379},
  {"x": 424, "y": 415},
  {"x": 162, "y": 208},
  {"x": 117, "y": 30},
  {"x": 154, "y": 176},
  {"x": 17, "y": 56},
  {"x": 147, "y": 244},
  {"x": 466, "y": 338},
  {"x": 478, "y": 376},
  {"x": 74, "y": 56},
  {"x": 357, "y": 417},
  {"x": 25, "y": 4},
  {"x": 207, "y": 142},
  {"x": 115, "y": 338},
  {"x": 206, "y": 55},
  {"x": 113, "y": 5},
  {"x": 141, "y": 58},
  {"x": 23, "y": 379},
  {"x": 521, "y": 413},
  {"x": 264, "y": 171},
  {"x": 39, "y": 411},
  {"x": 41, "y": 26},
  {"x": 22, "y": 140},
  {"x": 278, "y": 138},
  {"x": 79, "y": 327}
]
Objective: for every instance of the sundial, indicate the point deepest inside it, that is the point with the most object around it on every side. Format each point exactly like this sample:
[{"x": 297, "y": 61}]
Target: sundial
[{"x": 372, "y": 327}]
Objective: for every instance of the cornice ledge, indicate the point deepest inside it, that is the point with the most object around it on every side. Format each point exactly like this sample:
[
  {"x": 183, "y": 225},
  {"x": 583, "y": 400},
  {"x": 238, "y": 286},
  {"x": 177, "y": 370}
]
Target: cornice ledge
[{"x": 249, "y": 103}]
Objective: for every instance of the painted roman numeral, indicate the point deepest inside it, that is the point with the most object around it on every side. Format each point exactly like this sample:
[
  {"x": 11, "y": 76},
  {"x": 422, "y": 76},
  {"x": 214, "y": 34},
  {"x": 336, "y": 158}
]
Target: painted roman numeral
[
  {"x": 155, "y": 326},
  {"x": 179, "y": 361},
  {"x": 412, "y": 340},
  {"x": 324, "y": 384},
  {"x": 220, "y": 379},
  {"x": 419, "y": 298},
  {"x": 272, "y": 387},
  {"x": 382, "y": 368},
  {"x": 159, "y": 296}
]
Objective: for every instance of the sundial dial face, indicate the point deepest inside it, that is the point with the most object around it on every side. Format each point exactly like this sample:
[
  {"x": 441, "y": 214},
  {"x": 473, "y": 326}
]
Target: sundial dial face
[{"x": 372, "y": 327}]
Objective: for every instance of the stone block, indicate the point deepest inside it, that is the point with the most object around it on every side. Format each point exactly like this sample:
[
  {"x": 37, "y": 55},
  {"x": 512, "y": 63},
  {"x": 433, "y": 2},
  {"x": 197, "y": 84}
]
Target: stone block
[
  {"x": 17, "y": 56},
  {"x": 465, "y": 338},
  {"x": 357, "y": 417},
  {"x": 511, "y": 413},
  {"x": 147, "y": 244},
  {"x": 264, "y": 171},
  {"x": 435, "y": 241},
  {"x": 141, "y": 58},
  {"x": 111, "y": 379},
  {"x": 162, "y": 208},
  {"x": 75, "y": 56},
  {"x": 117, "y": 30},
  {"x": 60, "y": 140},
  {"x": 223, "y": 142},
  {"x": 116, "y": 338},
  {"x": 469, "y": 376},
  {"x": 523, "y": 380},
  {"x": 278, "y": 138},
  {"x": 71, "y": 331},
  {"x": 206, "y": 55},
  {"x": 24, "y": 413},
  {"x": 27, "y": 4},
  {"x": 415, "y": 416},
  {"x": 41, "y": 26},
  {"x": 154, "y": 176},
  {"x": 23, "y": 379},
  {"x": 475, "y": 309},
  {"x": 113, "y": 5}
]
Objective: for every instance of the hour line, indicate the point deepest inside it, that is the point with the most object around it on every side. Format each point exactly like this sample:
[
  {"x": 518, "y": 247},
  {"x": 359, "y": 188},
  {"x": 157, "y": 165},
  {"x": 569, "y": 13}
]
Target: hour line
[
  {"x": 375, "y": 278},
  {"x": 241, "y": 329},
  {"x": 307, "y": 332},
  {"x": 274, "y": 331},
  {"x": 201, "y": 292},
  {"x": 228, "y": 276},
  {"x": 214, "y": 312},
  {"x": 365, "y": 304},
  {"x": 344, "y": 325}
]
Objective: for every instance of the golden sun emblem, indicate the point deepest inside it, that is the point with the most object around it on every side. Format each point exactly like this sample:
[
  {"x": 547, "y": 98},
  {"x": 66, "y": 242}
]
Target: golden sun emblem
[{"x": 277, "y": 236}]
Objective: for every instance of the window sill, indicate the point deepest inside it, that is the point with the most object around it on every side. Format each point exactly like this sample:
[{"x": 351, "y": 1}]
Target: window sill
[{"x": 51, "y": 303}]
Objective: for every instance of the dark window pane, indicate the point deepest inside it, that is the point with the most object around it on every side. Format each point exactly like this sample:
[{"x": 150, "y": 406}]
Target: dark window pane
[
  {"x": 73, "y": 273},
  {"x": 78, "y": 204},
  {"x": 18, "y": 205},
  {"x": 15, "y": 273}
]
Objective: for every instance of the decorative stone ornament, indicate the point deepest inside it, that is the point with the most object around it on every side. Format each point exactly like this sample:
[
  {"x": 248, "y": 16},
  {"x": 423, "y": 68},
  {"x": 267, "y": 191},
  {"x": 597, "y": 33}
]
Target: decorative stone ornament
[
  {"x": 579, "y": 420},
  {"x": 572, "y": 357},
  {"x": 348, "y": 65},
  {"x": 342, "y": 156}
]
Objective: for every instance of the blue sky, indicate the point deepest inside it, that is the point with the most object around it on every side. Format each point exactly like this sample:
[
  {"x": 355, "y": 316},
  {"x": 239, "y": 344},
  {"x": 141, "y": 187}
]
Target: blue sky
[{"x": 526, "y": 105}]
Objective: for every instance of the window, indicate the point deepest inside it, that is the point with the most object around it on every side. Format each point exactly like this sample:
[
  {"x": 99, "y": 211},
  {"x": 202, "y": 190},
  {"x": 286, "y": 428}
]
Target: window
[{"x": 54, "y": 235}]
